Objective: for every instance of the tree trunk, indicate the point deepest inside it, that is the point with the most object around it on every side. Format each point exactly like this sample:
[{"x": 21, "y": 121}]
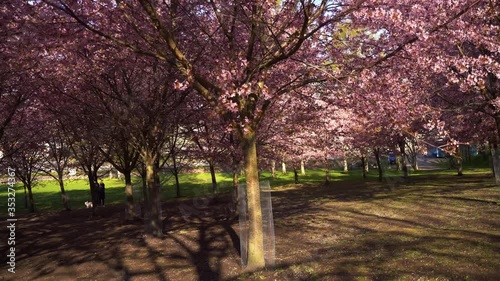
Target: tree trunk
[
  {"x": 25, "y": 197},
  {"x": 495, "y": 158},
  {"x": 235, "y": 187},
  {"x": 302, "y": 168},
  {"x": 415, "y": 167},
  {"x": 177, "y": 185},
  {"x": 403, "y": 159},
  {"x": 296, "y": 175},
  {"x": 327, "y": 171},
  {"x": 490, "y": 157},
  {"x": 212, "y": 174},
  {"x": 273, "y": 169},
  {"x": 413, "y": 154},
  {"x": 235, "y": 177},
  {"x": 346, "y": 166},
  {"x": 93, "y": 189},
  {"x": 153, "y": 208},
  {"x": 31, "y": 203},
  {"x": 398, "y": 163},
  {"x": 414, "y": 162},
  {"x": 495, "y": 154},
  {"x": 459, "y": 166},
  {"x": 175, "y": 172},
  {"x": 64, "y": 196},
  {"x": 129, "y": 193},
  {"x": 283, "y": 168},
  {"x": 363, "y": 164},
  {"x": 367, "y": 165},
  {"x": 255, "y": 233},
  {"x": 379, "y": 164},
  {"x": 144, "y": 189}
]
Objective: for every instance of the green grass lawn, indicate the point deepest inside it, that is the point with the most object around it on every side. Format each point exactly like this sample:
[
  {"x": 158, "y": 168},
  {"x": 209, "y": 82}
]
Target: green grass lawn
[
  {"x": 435, "y": 226},
  {"x": 432, "y": 226},
  {"x": 47, "y": 193}
]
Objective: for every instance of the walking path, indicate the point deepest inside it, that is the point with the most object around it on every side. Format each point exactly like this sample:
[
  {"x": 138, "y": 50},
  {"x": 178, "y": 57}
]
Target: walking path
[{"x": 430, "y": 163}]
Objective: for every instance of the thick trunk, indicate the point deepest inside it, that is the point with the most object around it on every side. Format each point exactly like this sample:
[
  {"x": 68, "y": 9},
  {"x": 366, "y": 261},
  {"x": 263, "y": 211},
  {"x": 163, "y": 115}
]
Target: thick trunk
[
  {"x": 273, "y": 169},
  {"x": 379, "y": 164},
  {"x": 302, "y": 168},
  {"x": 255, "y": 232},
  {"x": 129, "y": 193},
  {"x": 283, "y": 168},
  {"x": 212, "y": 174},
  {"x": 64, "y": 196},
  {"x": 495, "y": 154},
  {"x": 346, "y": 166},
  {"x": 153, "y": 222},
  {"x": 364, "y": 166},
  {"x": 413, "y": 154},
  {"x": 296, "y": 175},
  {"x": 414, "y": 162},
  {"x": 495, "y": 158},
  {"x": 403, "y": 159}
]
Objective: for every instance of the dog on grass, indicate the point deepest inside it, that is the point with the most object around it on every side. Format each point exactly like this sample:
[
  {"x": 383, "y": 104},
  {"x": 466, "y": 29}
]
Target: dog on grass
[{"x": 88, "y": 204}]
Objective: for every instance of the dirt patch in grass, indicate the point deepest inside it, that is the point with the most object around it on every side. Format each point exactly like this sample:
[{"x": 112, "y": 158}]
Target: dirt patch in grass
[{"x": 431, "y": 228}]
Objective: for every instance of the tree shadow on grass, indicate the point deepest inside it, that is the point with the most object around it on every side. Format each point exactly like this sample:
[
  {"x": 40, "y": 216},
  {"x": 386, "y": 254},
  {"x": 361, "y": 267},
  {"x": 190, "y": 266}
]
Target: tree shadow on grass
[
  {"x": 343, "y": 232},
  {"x": 364, "y": 218},
  {"x": 392, "y": 255},
  {"x": 74, "y": 245}
]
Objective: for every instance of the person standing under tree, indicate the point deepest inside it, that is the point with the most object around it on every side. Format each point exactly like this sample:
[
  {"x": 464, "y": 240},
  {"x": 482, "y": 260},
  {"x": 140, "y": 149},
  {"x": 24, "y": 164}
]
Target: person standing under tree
[{"x": 101, "y": 193}]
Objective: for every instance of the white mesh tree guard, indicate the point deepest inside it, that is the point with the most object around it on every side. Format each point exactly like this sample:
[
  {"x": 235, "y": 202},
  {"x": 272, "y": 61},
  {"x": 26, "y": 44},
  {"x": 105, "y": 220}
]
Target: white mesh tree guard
[{"x": 267, "y": 222}]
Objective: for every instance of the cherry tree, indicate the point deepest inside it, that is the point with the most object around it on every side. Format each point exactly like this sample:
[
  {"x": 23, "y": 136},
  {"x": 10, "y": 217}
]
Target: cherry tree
[
  {"x": 248, "y": 48},
  {"x": 19, "y": 66},
  {"x": 25, "y": 149},
  {"x": 56, "y": 156},
  {"x": 211, "y": 137},
  {"x": 241, "y": 57},
  {"x": 27, "y": 164},
  {"x": 179, "y": 155},
  {"x": 450, "y": 46},
  {"x": 123, "y": 156},
  {"x": 139, "y": 98}
]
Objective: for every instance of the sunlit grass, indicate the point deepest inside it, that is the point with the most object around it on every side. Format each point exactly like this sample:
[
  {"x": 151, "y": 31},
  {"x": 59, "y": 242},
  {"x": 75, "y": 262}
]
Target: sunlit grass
[
  {"x": 435, "y": 226},
  {"x": 47, "y": 192}
]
